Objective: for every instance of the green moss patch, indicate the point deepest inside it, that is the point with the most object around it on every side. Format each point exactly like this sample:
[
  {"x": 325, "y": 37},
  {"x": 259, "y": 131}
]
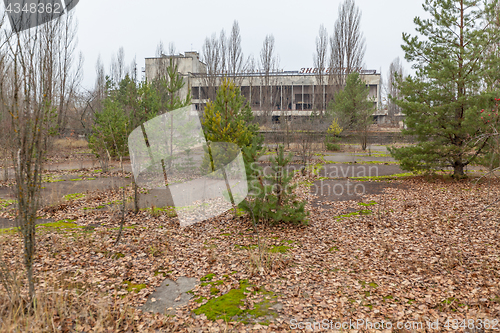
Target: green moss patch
[
  {"x": 212, "y": 283},
  {"x": 97, "y": 207},
  {"x": 377, "y": 162},
  {"x": 200, "y": 300},
  {"x": 117, "y": 255},
  {"x": 373, "y": 155},
  {"x": 73, "y": 196},
  {"x": 371, "y": 203},
  {"x": 358, "y": 213},
  {"x": 127, "y": 227},
  {"x": 157, "y": 211},
  {"x": 395, "y": 176},
  {"x": 131, "y": 287},
  {"x": 369, "y": 284},
  {"x": 208, "y": 277},
  {"x": 67, "y": 223},
  {"x": 8, "y": 231},
  {"x": 50, "y": 179},
  {"x": 229, "y": 306},
  {"x": 6, "y": 203},
  {"x": 279, "y": 249},
  {"x": 240, "y": 212},
  {"x": 245, "y": 247},
  {"x": 162, "y": 271},
  {"x": 449, "y": 300}
]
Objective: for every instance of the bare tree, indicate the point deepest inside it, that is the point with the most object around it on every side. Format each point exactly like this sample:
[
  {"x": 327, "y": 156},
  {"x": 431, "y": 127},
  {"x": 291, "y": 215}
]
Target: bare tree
[
  {"x": 395, "y": 70},
  {"x": 68, "y": 76},
  {"x": 133, "y": 70},
  {"x": 171, "y": 48},
  {"x": 223, "y": 52},
  {"x": 161, "y": 63},
  {"x": 268, "y": 63},
  {"x": 320, "y": 62},
  {"x": 212, "y": 59},
  {"x": 305, "y": 139},
  {"x": 118, "y": 68},
  {"x": 347, "y": 45},
  {"x": 5, "y": 89},
  {"x": 95, "y": 97},
  {"x": 235, "y": 53},
  {"x": 100, "y": 81},
  {"x": 32, "y": 80}
]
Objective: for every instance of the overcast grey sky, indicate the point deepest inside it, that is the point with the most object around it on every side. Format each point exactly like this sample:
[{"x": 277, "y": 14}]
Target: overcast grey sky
[{"x": 138, "y": 26}]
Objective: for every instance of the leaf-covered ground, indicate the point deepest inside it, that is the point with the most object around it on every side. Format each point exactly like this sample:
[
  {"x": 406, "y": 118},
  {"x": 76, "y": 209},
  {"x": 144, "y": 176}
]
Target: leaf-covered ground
[{"x": 417, "y": 253}]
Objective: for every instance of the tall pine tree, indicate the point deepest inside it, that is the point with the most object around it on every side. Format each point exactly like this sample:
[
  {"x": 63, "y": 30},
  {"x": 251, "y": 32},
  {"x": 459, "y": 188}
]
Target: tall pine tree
[{"x": 455, "y": 77}]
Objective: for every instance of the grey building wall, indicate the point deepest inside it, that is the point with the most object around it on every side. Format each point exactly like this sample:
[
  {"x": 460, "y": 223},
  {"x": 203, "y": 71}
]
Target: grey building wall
[{"x": 292, "y": 93}]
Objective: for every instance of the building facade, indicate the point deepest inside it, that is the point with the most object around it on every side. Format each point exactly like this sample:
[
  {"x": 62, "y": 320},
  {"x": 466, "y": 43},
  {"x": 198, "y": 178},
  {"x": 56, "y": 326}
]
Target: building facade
[{"x": 289, "y": 93}]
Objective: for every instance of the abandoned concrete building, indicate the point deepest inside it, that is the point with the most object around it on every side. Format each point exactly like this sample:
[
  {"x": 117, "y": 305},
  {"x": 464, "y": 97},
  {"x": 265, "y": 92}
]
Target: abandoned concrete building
[{"x": 289, "y": 93}]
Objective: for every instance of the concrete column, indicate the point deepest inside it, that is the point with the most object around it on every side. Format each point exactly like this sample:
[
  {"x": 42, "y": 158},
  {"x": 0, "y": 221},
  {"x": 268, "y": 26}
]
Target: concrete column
[
  {"x": 281, "y": 92},
  {"x": 314, "y": 97},
  {"x": 324, "y": 101},
  {"x": 260, "y": 98},
  {"x": 302, "y": 96}
]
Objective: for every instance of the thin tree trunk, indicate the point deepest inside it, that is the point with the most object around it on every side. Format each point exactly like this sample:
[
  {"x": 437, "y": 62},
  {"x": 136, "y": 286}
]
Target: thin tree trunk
[
  {"x": 230, "y": 193},
  {"x": 136, "y": 197},
  {"x": 122, "y": 221}
]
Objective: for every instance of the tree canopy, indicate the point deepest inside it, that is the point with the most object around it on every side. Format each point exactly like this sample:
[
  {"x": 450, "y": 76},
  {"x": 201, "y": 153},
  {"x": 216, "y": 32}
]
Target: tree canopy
[{"x": 229, "y": 117}]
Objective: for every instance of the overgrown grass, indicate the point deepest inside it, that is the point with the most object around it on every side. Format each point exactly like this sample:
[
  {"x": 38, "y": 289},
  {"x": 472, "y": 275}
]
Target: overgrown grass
[
  {"x": 157, "y": 211},
  {"x": 70, "y": 143},
  {"x": 64, "y": 306},
  {"x": 378, "y": 178}
]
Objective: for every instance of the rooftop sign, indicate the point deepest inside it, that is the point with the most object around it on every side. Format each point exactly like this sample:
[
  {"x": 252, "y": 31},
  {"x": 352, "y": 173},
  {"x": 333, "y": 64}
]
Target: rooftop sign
[{"x": 330, "y": 70}]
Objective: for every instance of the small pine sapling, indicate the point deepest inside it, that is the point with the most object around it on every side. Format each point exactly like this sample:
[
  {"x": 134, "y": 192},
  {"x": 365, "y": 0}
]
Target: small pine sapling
[{"x": 273, "y": 198}]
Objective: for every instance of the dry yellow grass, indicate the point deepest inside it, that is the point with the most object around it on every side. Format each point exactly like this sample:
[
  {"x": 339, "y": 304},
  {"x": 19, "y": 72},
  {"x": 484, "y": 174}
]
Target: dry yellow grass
[
  {"x": 64, "y": 306},
  {"x": 70, "y": 143}
]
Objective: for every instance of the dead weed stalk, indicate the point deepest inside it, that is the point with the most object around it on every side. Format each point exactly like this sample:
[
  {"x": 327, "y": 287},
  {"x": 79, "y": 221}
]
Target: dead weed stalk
[{"x": 63, "y": 306}]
